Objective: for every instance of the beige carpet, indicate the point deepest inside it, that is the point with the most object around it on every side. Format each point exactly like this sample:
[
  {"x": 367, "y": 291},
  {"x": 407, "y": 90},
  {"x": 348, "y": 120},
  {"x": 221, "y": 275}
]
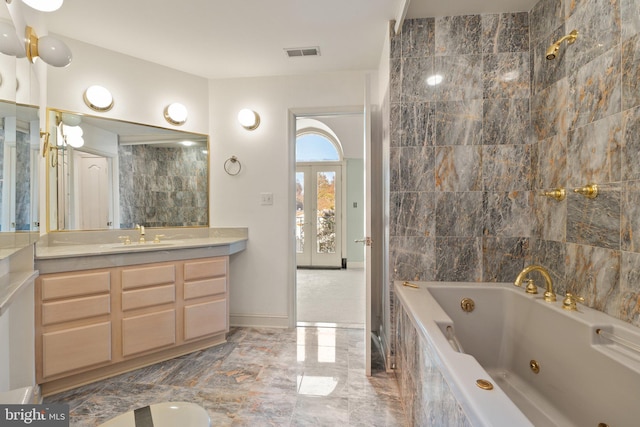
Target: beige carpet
[{"x": 331, "y": 296}]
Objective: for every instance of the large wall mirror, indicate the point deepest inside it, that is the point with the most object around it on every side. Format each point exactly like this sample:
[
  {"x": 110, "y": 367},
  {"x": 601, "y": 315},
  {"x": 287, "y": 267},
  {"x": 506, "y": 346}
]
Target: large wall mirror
[
  {"x": 108, "y": 174},
  {"x": 19, "y": 148}
]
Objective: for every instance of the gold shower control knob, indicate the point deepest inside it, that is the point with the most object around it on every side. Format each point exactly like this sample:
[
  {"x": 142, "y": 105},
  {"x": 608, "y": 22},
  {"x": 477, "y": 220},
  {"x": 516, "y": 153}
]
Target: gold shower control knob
[
  {"x": 559, "y": 194},
  {"x": 590, "y": 191}
]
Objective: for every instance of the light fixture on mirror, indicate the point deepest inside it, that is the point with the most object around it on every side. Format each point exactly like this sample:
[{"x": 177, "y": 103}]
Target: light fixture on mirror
[
  {"x": 249, "y": 119},
  {"x": 50, "y": 49},
  {"x": 98, "y": 98},
  {"x": 176, "y": 114},
  {"x": 44, "y": 5}
]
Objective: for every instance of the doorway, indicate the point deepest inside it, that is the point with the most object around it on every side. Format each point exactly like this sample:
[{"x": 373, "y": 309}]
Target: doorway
[{"x": 329, "y": 216}]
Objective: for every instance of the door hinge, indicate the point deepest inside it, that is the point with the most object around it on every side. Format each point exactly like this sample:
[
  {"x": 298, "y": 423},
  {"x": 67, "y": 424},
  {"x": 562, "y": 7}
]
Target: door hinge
[{"x": 367, "y": 241}]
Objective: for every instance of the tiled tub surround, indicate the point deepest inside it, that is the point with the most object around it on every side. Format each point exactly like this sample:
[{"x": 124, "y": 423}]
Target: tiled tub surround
[
  {"x": 168, "y": 187},
  {"x": 70, "y": 251},
  {"x": 469, "y": 157},
  {"x": 584, "y": 379}
]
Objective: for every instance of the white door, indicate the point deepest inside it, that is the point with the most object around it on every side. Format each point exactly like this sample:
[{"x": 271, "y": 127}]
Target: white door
[
  {"x": 93, "y": 174},
  {"x": 319, "y": 215}
]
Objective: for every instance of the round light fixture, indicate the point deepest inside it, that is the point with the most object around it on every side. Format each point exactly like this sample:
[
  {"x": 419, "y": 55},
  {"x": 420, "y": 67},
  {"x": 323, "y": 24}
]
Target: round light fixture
[
  {"x": 51, "y": 50},
  {"x": 434, "y": 80},
  {"x": 98, "y": 98},
  {"x": 249, "y": 119},
  {"x": 175, "y": 113},
  {"x": 44, "y": 5}
]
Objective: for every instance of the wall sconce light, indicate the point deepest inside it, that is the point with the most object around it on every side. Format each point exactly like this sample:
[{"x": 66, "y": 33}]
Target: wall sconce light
[
  {"x": 44, "y": 5},
  {"x": 249, "y": 119},
  {"x": 51, "y": 50},
  {"x": 98, "y": 98},
  {"x": 10, "y": 44},
  {"x": 176, "y": 114}
]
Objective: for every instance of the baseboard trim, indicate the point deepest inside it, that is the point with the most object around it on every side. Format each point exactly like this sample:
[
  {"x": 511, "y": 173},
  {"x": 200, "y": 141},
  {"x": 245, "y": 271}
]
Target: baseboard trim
[
  {"x": 352, "y": 264},
  {"x": 259, "y": 321}
]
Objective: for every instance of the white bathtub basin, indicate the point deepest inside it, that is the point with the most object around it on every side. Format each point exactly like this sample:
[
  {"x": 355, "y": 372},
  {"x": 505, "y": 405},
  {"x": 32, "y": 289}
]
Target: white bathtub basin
[{"x": 583, "y": 380}]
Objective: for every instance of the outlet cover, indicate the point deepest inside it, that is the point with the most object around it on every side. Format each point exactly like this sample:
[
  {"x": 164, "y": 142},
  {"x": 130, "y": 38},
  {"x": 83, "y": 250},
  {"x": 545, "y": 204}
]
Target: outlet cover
[{"x": 266, "y": 199}]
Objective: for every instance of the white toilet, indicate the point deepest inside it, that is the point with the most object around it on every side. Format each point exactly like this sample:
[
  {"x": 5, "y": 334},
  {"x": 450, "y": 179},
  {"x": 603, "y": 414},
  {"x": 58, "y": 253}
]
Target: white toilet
[
  {"x": 21, "y": 396},
  {"x": 166, "y": 414}
]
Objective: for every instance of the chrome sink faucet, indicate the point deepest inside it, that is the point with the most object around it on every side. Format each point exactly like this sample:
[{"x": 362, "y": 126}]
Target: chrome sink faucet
[
  {"x": 549, "y": 295},
  {"x": 141, "y": 229}
]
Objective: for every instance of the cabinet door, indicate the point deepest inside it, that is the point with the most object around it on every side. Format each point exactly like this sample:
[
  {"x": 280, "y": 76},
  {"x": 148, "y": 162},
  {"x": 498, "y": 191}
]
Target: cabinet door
[
  {"x": 148, "y": 332},
  {"x": 205, "y": 319},
  {"x": 76, "y": 348}
]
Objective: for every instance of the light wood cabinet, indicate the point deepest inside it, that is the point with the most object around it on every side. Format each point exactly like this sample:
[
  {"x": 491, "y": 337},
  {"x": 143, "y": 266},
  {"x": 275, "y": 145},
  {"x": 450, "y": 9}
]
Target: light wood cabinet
[{"x": 97, "y": 323}]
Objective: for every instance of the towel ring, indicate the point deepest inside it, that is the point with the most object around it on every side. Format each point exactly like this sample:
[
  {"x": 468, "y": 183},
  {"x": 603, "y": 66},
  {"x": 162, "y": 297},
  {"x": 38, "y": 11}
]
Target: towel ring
[{"x": 228, "y": 166}]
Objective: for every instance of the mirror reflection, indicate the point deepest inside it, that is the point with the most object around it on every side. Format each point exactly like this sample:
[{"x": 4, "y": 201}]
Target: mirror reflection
[{"x": 106, "y": 174}]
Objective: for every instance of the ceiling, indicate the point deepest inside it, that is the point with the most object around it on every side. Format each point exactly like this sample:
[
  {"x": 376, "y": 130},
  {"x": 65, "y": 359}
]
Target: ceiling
[{"x": 247, "y": 38}]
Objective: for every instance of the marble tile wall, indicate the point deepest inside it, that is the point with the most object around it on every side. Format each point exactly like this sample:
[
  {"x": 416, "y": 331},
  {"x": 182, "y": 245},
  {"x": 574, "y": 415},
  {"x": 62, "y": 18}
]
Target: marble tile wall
[
  {"x": 461, "y": 150},
  {"x": 23, "y": 182},
  {"x": 585, "y": 112},
  {"x": 427, "y": 398},
  {"x": 163, "y": 187}
]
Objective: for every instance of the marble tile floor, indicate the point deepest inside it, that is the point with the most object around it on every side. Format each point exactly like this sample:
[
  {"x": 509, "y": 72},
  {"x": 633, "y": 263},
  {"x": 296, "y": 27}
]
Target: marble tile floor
[{"x": 307, "y": 376}]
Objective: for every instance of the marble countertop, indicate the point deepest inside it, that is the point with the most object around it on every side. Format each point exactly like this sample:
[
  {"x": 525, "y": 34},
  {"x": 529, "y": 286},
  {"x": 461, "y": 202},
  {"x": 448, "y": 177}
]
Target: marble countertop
[{"x": 70, "y": 251}]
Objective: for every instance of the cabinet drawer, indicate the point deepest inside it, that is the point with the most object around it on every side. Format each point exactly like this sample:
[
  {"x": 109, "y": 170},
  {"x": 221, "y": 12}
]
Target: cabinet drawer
[
  {"x": 205, "y": 319},
  {"x": 148, "y": 332},
  {"x": 148, "y": 297},
  {"x": 140, "y": 277},
  {"x": 198, "y": 270},
  {"x": 75, "y": 309},
  {"x": 76, "y": 348},
  {"x": 76, "y": 284},
  {"x": 203, "y": 288}
]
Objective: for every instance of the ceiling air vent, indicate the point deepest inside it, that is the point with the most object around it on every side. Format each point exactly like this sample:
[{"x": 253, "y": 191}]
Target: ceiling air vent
[{"x": 302, "y": 51}]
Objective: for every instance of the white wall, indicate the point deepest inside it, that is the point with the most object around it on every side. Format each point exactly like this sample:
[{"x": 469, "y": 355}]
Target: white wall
[{"x": 262, "y": 275}]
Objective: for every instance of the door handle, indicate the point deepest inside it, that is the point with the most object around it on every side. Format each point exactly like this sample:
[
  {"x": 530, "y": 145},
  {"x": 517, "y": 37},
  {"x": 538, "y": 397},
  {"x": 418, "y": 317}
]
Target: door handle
[{"x": 367, "y": 241}]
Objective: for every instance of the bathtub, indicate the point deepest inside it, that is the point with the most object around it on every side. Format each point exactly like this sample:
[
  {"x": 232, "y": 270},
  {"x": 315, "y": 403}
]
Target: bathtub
[{"x": 587, "y": 363}]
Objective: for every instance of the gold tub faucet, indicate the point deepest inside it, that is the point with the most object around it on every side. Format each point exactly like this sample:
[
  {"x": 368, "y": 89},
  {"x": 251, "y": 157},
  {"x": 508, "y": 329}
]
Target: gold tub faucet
[{"x": 549, "y": 295}]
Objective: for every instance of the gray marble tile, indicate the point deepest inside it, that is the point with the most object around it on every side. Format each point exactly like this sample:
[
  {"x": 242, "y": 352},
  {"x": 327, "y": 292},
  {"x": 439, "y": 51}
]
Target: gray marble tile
[
  {"x": 631, "y": 73},
  {"x": 417, "y": 168},
  {"x": 595, "y": 90},
  {"x": 418, "y": 124},
  {"x": 395, "y": 180},
  {"x": 630, "y": 17},
  {"x": 506, "y": 121},
  {"x": 505, "y": 32},
  {"x": 506, "y": 167},
  {"x": 508, "y": 214},
  {"x": 457, "y": 168},
  {"x": 412, "y": 258},
  {"x": 266, "y": 409},
  {"x": 415, "y": 72},
  {"x": 459, "y": 214},
  {"x": 545, "y": 17},
  {"x": 459, "y": 122},
  {"x": 412, "y": 214},
  {"x": 548, "y": 72},
  {"x": 598, "y": 25},
  {"x": 506, "y": 75},
  {"x": 310, "y": 411},
  {"x": 595, "y": 222},
  {"x": 594, "y": 152},
  {"x": 594, "y": 274},
  {"x": 630, "y": 217},
  {"x": 395, "y": 80},
  {"x": 418, "y": 37},
  {"x": 462, "y": 77},
  {"x": 551, "y": 218},
  {"x": 502, "y": 258},
  {"x": 459, "y": 259},
  {"x": 549, "y": 110},
  {"x": 629, "y": 294},
  {"x": 551, "y": 171},
  {"x": 458, "y": 35}
]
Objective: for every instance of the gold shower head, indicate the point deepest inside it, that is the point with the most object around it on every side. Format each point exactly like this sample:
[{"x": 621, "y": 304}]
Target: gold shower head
[{"x": 552, "y": 51}]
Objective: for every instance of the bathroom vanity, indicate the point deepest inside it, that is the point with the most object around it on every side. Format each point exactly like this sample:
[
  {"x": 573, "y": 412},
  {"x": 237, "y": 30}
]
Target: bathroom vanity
[{"x": 104, "y": 307}]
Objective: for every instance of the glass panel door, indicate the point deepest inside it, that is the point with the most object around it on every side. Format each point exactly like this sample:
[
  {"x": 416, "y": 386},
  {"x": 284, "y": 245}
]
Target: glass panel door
[{"x": 318, "y": 216}]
